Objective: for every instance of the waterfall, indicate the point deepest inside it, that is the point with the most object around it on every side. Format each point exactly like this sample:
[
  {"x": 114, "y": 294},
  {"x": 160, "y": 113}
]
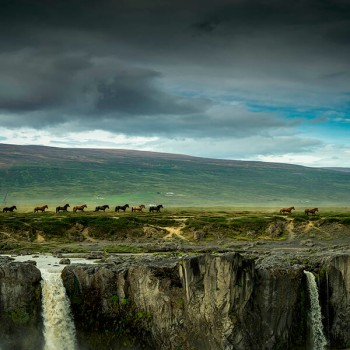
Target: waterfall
[
  {"x": 59, "y": 330},
  {"x": 319, "y": 341}
]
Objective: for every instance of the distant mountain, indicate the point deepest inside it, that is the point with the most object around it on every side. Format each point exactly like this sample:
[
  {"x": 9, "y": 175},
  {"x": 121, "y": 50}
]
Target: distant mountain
[{"x": 37, "y": 174}]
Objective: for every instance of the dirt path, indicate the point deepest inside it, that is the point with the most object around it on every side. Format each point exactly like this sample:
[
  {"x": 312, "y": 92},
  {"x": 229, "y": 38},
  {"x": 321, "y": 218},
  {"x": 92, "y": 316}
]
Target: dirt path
[
  {"x": 176, "y": 231},
  {"x": 86, "y": 235},
  {"x": 290, "y": 229}
]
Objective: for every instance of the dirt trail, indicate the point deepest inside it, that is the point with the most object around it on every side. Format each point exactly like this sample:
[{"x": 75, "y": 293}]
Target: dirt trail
[
  {"x": 86, "y": 235},
  {"x": 176, "y": 231},
  {"x": 290, "y": 229}
]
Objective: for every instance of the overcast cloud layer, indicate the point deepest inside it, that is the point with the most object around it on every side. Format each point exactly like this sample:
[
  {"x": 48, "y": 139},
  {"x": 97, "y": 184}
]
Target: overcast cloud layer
[{"x": 262, "y": 80}]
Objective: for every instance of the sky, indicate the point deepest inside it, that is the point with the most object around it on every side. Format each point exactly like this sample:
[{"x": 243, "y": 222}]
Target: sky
[{"x": 264, "y": 80}]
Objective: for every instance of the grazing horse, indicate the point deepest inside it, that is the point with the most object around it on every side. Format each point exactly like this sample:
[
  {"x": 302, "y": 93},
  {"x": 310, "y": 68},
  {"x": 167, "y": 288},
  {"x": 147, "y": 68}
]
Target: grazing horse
[
  {"x": 121, "y": 207},
  {"x": 311, "y": 211},
  {"x": 42, "y": 209},
  {"x": 155, "y": 208},
  {"x": 11, "y": 209},
  {"x": 102, "y": 207},
  {"x": 139, "y": 208},
  {"x": 64, "y": 208},
  {"x": 286, "y": 210},
  {"x": 79, "y": 207}
]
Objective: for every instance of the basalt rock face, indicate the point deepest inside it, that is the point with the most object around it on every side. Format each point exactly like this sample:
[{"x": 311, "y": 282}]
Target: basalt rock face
[
  {"x": 245, "y": 305},
  {"x": 198, "y": 302},
  {"x": 335, "y": 299},
  {"x": 125, "y": 304},
  {"x": 257, "y": 300},
  {"x": 275, "y": 315},
  {"x": 20, "y": 306},
  {"x": 217, "y": 293}
]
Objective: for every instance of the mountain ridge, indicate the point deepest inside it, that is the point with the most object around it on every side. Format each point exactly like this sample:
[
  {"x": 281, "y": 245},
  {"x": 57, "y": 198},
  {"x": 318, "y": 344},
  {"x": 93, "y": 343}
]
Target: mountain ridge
[{"x": 148, "y": 154}]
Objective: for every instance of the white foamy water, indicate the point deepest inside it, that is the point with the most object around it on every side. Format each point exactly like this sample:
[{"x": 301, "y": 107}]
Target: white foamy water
[
  {"x": 319, "y": 341},
  {"x": 59, "y": 330}
]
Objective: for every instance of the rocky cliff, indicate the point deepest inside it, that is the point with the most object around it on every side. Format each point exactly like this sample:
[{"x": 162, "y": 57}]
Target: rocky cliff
[
  {"x": 335, "y": 298},
  {"x": 255, "y": 300},
  {"x": 20, "y": 306},
  {"x": 223, "y": 301}
]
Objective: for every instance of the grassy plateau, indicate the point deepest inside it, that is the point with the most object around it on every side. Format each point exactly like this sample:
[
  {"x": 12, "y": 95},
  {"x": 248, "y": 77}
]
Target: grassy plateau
[{"x": 197, "y": 227}]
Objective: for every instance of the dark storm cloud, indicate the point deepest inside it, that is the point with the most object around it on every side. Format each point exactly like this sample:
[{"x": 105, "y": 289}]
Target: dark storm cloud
[
  {"x": 61, "y": 87},
  {"x": 134, "y": 92},
  {"x": 157, "y": 66}
]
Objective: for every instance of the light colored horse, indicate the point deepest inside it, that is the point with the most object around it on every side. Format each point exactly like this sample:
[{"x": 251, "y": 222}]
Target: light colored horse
[{"x": 138, "y": 208}]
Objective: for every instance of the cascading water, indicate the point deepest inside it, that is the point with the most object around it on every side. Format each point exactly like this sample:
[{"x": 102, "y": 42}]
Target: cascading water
[
  {"x": 319, "y": 341},
  {"x": 59, "y": 330}
]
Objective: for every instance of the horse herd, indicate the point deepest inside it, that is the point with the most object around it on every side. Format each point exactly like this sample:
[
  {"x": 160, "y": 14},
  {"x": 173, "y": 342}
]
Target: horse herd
[
  {"x": 152, "y": 208},
  {"x": 307, "y": 211},
  {"x": 64, "y": 208}
]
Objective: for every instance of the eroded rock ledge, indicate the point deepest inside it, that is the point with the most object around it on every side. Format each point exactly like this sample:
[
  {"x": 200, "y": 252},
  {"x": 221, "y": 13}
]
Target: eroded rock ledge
[{"x": 208, "y": 301}]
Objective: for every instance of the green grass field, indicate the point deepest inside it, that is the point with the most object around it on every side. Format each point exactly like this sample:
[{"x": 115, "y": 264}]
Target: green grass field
[
  {"x": 22, "y": 229},
  {"x": 31, "y": 176}
]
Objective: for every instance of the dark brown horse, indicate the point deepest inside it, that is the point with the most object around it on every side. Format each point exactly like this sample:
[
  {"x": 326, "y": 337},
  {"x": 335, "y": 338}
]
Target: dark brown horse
[
  {"x": 286, "y": 210},
  {"x": 42, "y": 209},
  {"x": 11, "y": 209},
  {"x": 64, "y": 208},
  {"x": 121, "y": 207},
  {"x": 156, "y": 208},
  {"x": 138, "y": 208},
  {"x": 102, "y": 207},
  {"x": 311, "y": 211},
  {"x": 79, "y": 207}
]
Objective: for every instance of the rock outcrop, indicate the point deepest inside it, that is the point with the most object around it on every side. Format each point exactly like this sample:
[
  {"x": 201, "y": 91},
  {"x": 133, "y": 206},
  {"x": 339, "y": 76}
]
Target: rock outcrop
[
  {"x": 334, "y": 278},
  {"x": 20, "y": 306},
  {"x": 209, "y": 301}
]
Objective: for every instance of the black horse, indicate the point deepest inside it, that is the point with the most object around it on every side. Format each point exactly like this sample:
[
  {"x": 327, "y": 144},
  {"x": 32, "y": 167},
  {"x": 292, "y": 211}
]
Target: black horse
[
  {"x": 155, "y": 208},
  {"x": 64, "y": 208},
  {"x": 121, "y": 207},
  {"x": 11, "y": 209},
  {"x": 102, "y": 207}
]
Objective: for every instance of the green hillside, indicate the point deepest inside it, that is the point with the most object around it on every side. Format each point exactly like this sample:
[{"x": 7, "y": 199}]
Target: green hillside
[{"x": 36, "y": 174}]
